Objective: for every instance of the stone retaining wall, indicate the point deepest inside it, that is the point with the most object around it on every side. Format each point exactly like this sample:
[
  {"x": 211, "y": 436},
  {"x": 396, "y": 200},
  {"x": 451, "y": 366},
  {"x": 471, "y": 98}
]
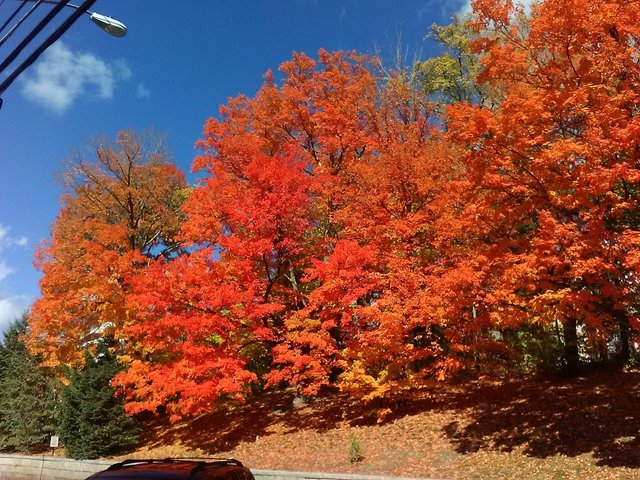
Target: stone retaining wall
[{"x": 18, "y": 467}]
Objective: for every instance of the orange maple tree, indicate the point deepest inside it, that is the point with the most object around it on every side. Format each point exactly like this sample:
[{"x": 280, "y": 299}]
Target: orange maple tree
[
  {"x": 122, "y": 208},
  {"x": 549, "y": 231}
]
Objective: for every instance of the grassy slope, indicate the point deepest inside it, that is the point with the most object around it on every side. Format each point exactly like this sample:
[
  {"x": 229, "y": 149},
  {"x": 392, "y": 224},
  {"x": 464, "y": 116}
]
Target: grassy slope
[{"x": 585, "y": 427}]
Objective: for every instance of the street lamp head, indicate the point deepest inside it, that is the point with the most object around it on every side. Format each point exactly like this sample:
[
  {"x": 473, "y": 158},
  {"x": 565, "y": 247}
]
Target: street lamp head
[{"x": 109, "y": 25}]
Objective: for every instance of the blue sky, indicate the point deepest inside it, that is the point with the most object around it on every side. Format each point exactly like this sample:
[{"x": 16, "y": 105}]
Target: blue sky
[{"x": 179, "y": 61}]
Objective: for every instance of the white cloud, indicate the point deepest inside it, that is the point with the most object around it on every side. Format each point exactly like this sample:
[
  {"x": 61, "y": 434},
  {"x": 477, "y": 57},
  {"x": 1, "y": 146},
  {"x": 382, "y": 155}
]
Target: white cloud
[
  {"x": 343, "y": 15},
  {"x": 12, "y": 308},
  {"x": 433, "y": 7},
  {"x": 122, "y": 70},
  {"x": 5, "y": 270},
  {"x": 142, "y": 91},
  {"x": 63, "y": 76},
  {"x": 466, "y": 7},
  {"x": 7, "y": 241}
]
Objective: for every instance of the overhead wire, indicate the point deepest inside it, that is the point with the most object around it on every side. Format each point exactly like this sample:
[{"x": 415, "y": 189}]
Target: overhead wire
[
  {"x": 82, "y": 9},
  {"x": 19, "y": 22},
  {"x": 32, "y": 34},
  {"x": 13, "y": 15}
]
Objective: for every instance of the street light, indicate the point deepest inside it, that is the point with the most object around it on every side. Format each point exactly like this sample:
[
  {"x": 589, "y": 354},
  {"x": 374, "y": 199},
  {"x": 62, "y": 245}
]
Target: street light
[{"x": 108, "y": 24}]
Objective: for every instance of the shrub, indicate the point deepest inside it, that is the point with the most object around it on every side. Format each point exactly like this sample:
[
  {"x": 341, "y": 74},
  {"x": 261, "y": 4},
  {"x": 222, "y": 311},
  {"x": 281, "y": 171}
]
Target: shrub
[{"x": 355, "y": 450}]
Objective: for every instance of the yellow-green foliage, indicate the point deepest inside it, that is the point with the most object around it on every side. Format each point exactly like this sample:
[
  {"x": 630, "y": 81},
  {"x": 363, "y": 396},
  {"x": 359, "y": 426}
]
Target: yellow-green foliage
[{"x": 451, "y": 77}]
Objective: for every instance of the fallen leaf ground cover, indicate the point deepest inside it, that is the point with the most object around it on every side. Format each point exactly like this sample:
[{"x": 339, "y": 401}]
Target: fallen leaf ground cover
[{"x": 584, "y": 427}]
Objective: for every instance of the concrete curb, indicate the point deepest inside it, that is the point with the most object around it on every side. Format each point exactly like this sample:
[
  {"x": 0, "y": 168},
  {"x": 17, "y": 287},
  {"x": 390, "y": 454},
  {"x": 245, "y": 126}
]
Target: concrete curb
[{"x": 289, "y": 475}]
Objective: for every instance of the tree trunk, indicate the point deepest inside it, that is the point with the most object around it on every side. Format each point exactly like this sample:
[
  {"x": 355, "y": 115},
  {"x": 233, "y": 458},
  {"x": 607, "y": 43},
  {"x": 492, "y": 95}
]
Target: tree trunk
[
  {"x": 624, "y": 353},
  {"x": 570, "y": 351}
]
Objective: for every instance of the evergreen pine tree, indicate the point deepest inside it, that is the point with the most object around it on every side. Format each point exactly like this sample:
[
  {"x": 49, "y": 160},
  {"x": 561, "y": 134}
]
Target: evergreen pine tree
[
  {"x": 28, "y": 399},
  {"x": 93, "y": 420}
]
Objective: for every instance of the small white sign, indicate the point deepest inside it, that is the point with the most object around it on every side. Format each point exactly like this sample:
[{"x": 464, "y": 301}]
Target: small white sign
[{"x": 53, "y": 443}]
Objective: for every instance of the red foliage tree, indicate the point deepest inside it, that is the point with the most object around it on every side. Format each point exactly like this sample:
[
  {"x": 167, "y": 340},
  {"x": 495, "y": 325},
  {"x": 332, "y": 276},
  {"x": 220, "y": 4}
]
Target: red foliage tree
[{"x": 313, "y": 222}]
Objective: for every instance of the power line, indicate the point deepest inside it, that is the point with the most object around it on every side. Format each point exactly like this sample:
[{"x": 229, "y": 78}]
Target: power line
[
  {"x": 13, "y": 15},
  {"x": 24, "y": 17},
  {"x": 32, "y": 34},
  {"x": 46, "y": 44}
]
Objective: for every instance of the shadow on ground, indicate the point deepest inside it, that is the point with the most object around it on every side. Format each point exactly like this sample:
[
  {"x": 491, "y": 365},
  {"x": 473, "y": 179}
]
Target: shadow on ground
[
  {"x": 597, "y": 414},
  {"x": 223, "y": 429}
]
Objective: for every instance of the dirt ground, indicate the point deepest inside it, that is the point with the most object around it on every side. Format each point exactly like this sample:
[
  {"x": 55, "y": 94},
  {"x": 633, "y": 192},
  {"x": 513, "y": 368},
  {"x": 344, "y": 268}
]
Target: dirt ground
[{"x": 580, "y": 428}]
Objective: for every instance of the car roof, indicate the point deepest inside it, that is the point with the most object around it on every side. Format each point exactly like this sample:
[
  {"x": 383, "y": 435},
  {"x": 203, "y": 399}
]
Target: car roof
[{"x": 175, "y": 469}]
